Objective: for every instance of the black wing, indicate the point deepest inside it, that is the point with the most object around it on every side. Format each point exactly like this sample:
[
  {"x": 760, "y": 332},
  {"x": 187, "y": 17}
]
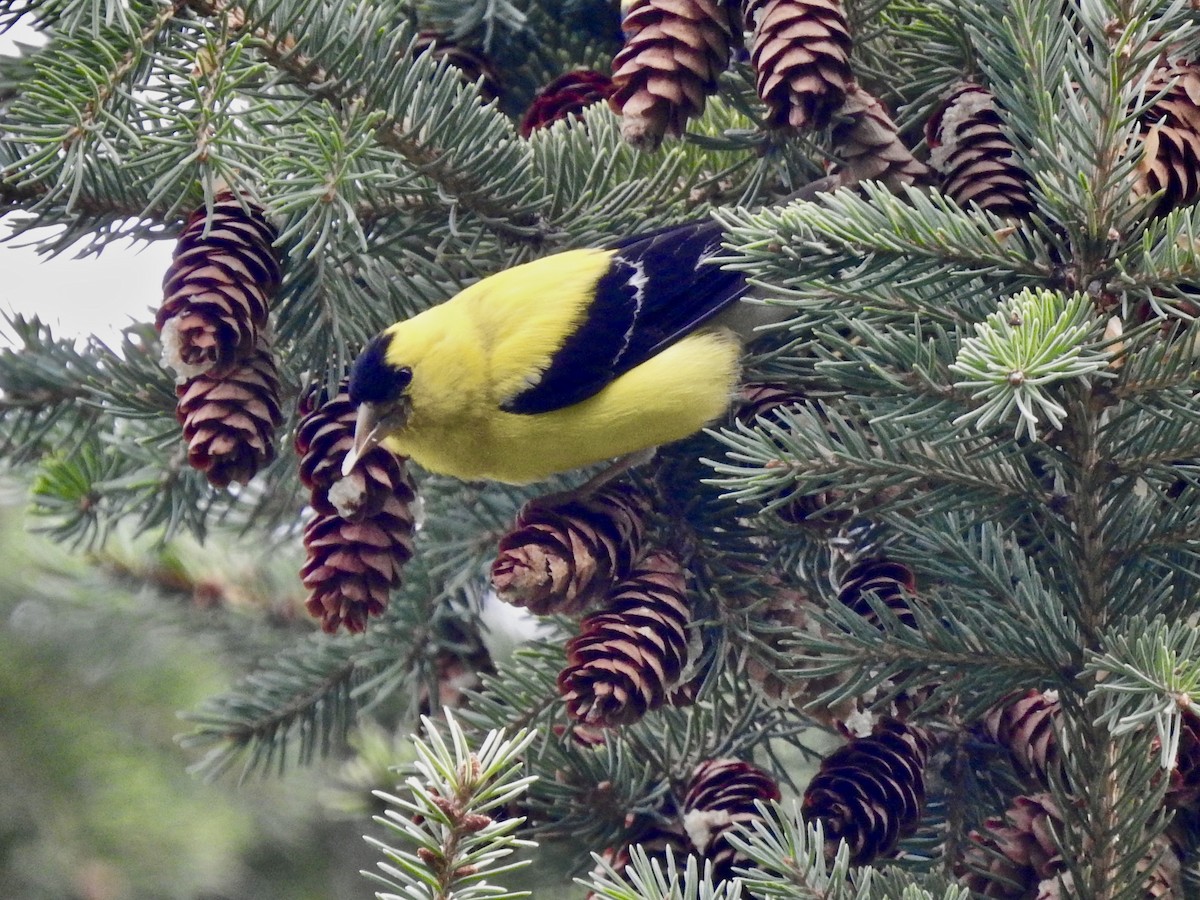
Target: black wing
[{"x": 655, "y": 292}]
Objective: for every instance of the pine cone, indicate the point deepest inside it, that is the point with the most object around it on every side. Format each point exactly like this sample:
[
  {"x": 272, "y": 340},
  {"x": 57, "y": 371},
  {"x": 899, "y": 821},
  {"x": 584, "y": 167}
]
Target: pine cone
[
  {"x": 1170, "y": 135},
  {"x": 870, "y": 791},
  {"x": 720, "y": 796},
  {"x": 218, "y": 287},
  {"x": 801, "y": 57},
  {"x": 352, "y": 567},
  {"x": 229, "y": 421},
  {"x": 363, "y": 532},
  {"x": 1025, "y": 725},
  {"x": 977, "y": 162},
  {"x": 566, "y": 96},
  {"x": 675, "y": 50},
  {"x": 472, "y": 64},
  {"x": 865, "y": 139},
  {"x": 323, "y": 438},
  {"x": 885, "y": 580},
  {"x": 559, "y": 559},
  {"x": 1012, "y": 857},
  {"x": 626, "y": 659}
]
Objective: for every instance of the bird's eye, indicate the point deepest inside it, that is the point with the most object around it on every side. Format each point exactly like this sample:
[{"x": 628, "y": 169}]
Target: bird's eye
[{"x": 403, "y": 377}]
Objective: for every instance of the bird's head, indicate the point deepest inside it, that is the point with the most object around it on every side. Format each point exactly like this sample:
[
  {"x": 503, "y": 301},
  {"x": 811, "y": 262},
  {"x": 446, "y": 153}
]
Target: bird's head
[{"x": 379, "y": 385}]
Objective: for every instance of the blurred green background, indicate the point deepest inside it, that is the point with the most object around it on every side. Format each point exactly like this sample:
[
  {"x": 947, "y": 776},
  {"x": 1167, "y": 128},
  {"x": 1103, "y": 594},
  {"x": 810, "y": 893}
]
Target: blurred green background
[{"x": 99, "y": 652}]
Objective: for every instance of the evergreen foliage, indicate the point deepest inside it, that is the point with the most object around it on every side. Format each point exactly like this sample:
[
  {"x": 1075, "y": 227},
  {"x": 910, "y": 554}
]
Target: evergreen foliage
[{"x": 1006, "y": 406}]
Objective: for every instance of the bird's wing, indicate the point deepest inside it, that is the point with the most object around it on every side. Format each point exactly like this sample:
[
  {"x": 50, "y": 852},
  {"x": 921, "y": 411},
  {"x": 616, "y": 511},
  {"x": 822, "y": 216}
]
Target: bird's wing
[{"x": 656, "y": 290}]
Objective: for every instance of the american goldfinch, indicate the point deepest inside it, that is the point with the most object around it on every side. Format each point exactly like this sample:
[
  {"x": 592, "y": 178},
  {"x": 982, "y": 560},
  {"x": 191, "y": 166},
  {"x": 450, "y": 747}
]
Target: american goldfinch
[{"x": 573, "y": 359}]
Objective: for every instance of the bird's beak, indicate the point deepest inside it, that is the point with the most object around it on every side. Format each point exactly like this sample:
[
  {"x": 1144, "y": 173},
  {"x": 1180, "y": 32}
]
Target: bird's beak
[{"x": 368, "y": 432}]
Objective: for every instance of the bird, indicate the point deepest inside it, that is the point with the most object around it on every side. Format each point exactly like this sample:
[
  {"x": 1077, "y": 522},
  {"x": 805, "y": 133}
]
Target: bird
[{"x": 576, "y": 358}]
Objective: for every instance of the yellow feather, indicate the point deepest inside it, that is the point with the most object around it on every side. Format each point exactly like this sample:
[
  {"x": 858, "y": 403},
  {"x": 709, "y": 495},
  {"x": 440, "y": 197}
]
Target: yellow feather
[{"x": 473, "y": 352}]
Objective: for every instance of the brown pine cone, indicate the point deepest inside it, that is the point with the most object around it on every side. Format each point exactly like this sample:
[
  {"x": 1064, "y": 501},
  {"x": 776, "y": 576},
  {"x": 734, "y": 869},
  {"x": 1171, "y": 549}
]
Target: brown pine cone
[
  {"x": 801, "y": 57},
  {"x": 363, "y": 532},
  {"x": 352, "y": 567},
  {"x": 887, "y": 581},
  {"x": 559, "y": 559},
  {"x": 720, "y": 796},
  {"x": 218, "y": 288},
  {"x": 1170, "y": 136},
  {"x": 870, "y": 792},
  {"x": 975, "y": 159},
  {"x": 1012, "y": 857},
  {"x": 566, "y": 96},
  {"x": 229, "y": 421},
  {"x": 1024, "y": 724},
  {"x": 626, "y": 659},
  {"x": 865, "y": 139},
  {"x": 472, "y": 64},
  {"x": 675, "y": 50},
  {"x": 323, "y": 438}
]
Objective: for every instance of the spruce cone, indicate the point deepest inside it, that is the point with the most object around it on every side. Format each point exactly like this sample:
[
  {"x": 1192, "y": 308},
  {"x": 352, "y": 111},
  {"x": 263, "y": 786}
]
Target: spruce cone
[
  {"x": 363, "y": 531},
  {"x": 887, "y": 581},
  {"x": 471, "y": 63},
  {"x": 1171, "y": 138},
  {"x": 1012, "y": 857},
  {"x": 870, "y": 792},
  {"x": 675, "y": 50},
  {"x": 229, "y": 421},
  {"x": 217, "y": 289},
  {"x": 352, "y": 566},
  {"x": 323, "y": 438},
  {"x": 976, "y": 161},
  {"x": 627, "y": 658},
  {"x": 565, "y": 97},
  {"x": 1025, "y": 725},
  {"x": 801, "y": 57},
  {"x": 866, "y": 140},
  {"x": 557, "y": 560},
  {"x": 721, "y": 795}
]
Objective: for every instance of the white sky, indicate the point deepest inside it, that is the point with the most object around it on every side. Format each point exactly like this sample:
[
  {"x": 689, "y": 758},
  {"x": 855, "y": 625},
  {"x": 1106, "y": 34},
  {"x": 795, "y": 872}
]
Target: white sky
[{"x": 94, "y": 295}]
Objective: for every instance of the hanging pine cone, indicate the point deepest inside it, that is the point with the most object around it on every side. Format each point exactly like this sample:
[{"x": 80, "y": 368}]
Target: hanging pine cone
[
  {"x": 675, "y": 50},
  {"x": 352, "y": 566},
  {"x": 1170, "y": 135},
  {"x": 363, "y": 531},
  {"x": 888, "y": 582},
  {"x": 218, "y": 288},
  {"x": 626, "y": 659},
  {"x": 654, "y": 835},
  {"x": 870, "y": 791},
  {"x": 801, "y": 57},
  {"x": 1025, "y": 724},
  {"x": 567, "y": 96},
  {"x": 229, "y": 421},
  {"x": 472, "y": 65},
  {"x": 323, "y": 438},
  {"x": 867, "y": 142},
  {"x": 1012, "y": 857},
  {"x": 975, "y": 159},
  {"x": 559, "y": 559},
  {"x": 720, "y": 796}
]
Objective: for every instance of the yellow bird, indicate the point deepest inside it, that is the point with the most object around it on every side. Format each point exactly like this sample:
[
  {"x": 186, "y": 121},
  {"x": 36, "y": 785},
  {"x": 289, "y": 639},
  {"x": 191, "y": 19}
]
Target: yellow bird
[{"x": 573, "y": 359}]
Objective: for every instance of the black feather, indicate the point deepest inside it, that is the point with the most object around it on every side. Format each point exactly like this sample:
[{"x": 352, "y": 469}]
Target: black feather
[
  {"x": 622, "y": 329},
  {"x": 373, "y": 379}
]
